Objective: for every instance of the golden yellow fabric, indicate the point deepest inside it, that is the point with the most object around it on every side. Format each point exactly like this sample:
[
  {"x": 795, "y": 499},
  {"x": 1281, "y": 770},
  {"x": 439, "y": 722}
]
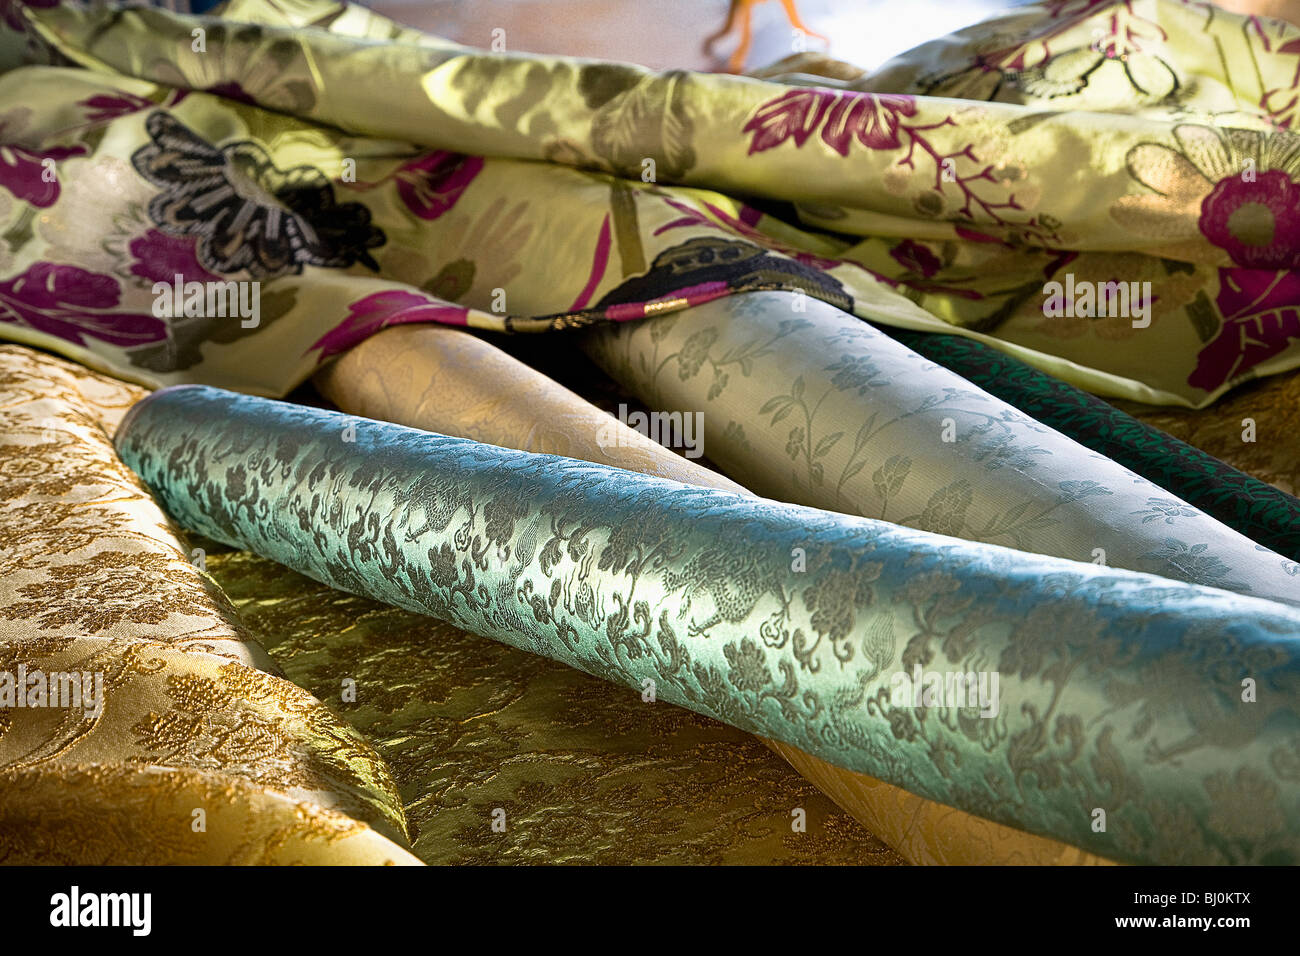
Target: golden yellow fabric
[
  {"x": 451, "y": 382},
  {"x": 184, "y": 749},
  {"x": 584, "y": 771}
]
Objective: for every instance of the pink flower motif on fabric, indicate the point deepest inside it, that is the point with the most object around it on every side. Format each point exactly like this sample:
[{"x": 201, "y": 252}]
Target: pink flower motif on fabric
[
  {"x": 431, "y": 184},
  {"x": 24, "y": 172},
  {"x": 879, "y": 122},
  {"x": 873, "y": 118},
  {"x": 378, "y": 311},
  {"x": 1261, "y": 314},
  {"x": 160, "y": 258},
  {"x": 915, "y": 257},
  {"x": 109, "y": 106},
  {"x": 1257, "y": 222},
  {"x": 744, "y": 225},
  {"x": 75, "y": 305}
]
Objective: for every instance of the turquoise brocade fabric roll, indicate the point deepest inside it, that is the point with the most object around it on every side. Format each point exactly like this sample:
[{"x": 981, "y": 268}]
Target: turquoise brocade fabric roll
[{"x": 1110, "y": 709}]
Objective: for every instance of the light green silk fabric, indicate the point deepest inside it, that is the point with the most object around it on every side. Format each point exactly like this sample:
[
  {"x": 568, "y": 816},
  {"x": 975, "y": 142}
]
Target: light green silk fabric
[
  {"x": 1143, "y": 141},
  {"x": 1119, "y": 692}
]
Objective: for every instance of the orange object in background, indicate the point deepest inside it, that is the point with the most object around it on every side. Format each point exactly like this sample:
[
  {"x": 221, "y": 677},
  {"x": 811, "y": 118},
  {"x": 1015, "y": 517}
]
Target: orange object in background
[{"x": 743, "y": 10}]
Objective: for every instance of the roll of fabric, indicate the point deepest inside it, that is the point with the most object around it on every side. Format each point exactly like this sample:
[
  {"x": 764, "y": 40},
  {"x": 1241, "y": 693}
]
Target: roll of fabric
[
  {"x": 804, "y": 403},
  {"x": 1261, "y": 512},
  {"x": 1118, "y": 725},
  {"x": 139, "y": 723},
  {"x": 449, "y": 381},
  {"x": 1254, "y": 429},
  {"x": 504, "y": 757}
]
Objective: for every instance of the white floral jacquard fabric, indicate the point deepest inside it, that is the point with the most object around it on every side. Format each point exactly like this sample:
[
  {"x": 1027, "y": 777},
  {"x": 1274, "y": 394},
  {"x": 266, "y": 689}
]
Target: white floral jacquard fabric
[{"x": 806, "y": 404}]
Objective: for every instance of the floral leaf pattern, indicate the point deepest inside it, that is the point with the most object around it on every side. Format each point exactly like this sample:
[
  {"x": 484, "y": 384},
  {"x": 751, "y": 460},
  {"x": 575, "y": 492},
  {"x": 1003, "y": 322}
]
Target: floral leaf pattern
[
  {"x": 249, "y": 215},
  {"x": 831, "y": 408},
  {"x": 943, "y": 189}
]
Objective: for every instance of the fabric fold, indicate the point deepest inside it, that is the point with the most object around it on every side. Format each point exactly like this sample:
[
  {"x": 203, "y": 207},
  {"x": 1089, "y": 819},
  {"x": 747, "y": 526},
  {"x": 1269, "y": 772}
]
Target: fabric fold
[
  {"x": 139, "y": 722},
  {"x": 524, "y": 193},
  {"x": 1119, "y": 692}
]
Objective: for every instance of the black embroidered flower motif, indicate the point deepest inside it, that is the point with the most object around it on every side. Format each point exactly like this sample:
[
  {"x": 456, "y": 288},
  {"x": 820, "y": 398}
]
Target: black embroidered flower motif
[{"x": 249, "y": 214}]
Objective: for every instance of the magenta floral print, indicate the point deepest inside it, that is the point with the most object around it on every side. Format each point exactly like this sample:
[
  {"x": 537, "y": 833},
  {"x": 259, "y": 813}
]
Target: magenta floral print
[
  {"x": 1283, "y": 103},
  {"x": 431, "y": 184},
  {"x": 915, "y": 257},
  {"x": 1261, "y": 315},
  {"x": 1256, "y": 220},
  {"x": 879, "y": 122},
  {"x": 1244, "y": 184},
  {"x": 378, "y": 311},
  {"x": 75, "y": 305},
  {"x": 160, "y": 258},
  {"x": 745, "y": 224},
  {"x": 24, "y": 172},
  {"x": 872, "y": 118},
  {"x": 109, "y": 106},
  {"x": 30, "y": 174}
]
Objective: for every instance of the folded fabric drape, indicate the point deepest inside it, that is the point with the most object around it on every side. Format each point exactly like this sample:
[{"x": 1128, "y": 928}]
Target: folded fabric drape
[
  {"x": 139, "y": 723},
  {"x": 450, "y": 381},
  {"x": 1245, "y": 504},
  {"x": 804, "y": 403},
  {"x": 1065, "y": 152},
  {"x": 1115, "y": 715}
]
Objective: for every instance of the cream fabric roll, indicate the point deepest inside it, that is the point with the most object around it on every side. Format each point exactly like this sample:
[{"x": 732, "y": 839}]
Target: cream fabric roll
[
  {"x": 445, "y": 380},
  {"x": 804, "y": 403}
]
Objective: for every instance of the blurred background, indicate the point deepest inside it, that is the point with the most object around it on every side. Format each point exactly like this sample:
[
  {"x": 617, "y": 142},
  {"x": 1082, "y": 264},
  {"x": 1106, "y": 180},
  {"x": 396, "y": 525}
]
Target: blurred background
[{"x": 668, "y": 33}]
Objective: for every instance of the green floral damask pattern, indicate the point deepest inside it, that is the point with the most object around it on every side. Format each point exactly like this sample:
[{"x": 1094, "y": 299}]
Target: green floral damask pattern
[
  {"x": 803, "y": 403},
  {"x": 1119, "y": 692}
]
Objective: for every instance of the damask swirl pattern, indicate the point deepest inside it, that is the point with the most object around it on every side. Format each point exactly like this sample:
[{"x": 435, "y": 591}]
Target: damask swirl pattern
[{"x": 185, "y": 745}]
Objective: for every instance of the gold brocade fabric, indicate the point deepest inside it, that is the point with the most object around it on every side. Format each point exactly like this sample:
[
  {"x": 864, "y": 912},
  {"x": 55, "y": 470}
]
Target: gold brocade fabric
[
  {"x": 1255, "y": 429},
  {"x": 575, "y": 769},
  {"x": 138, "y": 721},
  {"x": 449, "y": 381}
]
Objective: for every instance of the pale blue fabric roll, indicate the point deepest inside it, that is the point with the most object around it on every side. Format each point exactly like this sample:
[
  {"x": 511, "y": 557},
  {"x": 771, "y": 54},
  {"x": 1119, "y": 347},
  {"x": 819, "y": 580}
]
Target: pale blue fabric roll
[{"x": 1143, "y": 719}]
